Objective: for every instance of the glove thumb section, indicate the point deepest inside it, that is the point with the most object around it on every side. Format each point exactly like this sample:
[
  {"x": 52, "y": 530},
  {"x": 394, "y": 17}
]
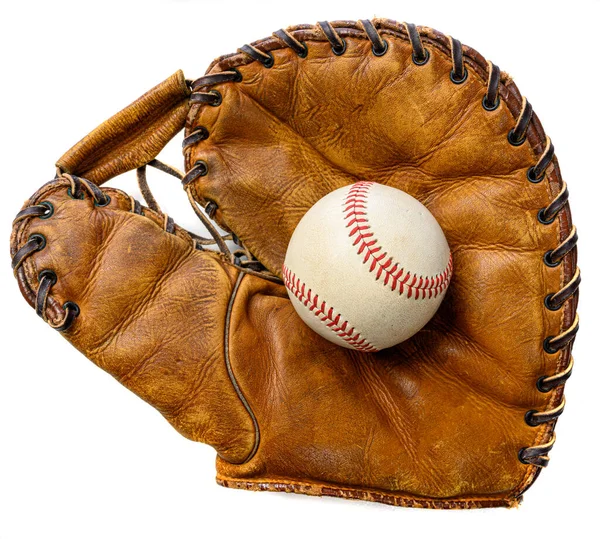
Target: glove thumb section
[{"x": 141, "y": 301}]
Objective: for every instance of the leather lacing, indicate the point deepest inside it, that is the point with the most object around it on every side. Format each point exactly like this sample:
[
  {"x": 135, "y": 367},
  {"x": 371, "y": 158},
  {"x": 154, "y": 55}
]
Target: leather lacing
[
  {"x": 36, "y": 242},
  {"x": 538, "y": 455},
  {"x": 242, "y": 258},
  {"x": 202, "y": 92},
  {"x": 459, "y": 73}
]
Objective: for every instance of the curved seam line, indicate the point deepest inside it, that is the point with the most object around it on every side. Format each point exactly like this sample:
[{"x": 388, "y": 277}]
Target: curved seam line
[
  {"x": 355, "y": 208},
  {"x": 325, "y": 314},
  {"x": 469, "y": 58},
  {"x": 232, "y": 378}
]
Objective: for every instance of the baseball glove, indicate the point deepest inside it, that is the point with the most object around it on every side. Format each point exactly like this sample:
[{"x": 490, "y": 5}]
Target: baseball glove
[{"x": 461, "y": 415}]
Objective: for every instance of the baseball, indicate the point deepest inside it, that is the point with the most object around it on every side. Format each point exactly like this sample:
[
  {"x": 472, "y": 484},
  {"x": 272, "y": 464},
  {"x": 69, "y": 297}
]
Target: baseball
[{"x": 367, "y": 266}]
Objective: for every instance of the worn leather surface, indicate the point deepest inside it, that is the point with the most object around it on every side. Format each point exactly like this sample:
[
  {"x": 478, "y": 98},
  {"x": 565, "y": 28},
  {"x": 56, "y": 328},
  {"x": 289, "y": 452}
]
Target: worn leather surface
[
  {"x": 284, "y": 137},
  {"x": 437, "y": 421},
  {"x": 133, "y": 136},
  {"x": 439, "y": 417}
]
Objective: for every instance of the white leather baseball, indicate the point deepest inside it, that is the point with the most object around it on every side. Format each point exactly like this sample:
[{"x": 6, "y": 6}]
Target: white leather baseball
[{"x": 367, "y": 266}]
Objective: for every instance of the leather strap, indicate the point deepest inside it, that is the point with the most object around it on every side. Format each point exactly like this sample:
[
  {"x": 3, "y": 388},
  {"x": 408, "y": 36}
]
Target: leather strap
[{"x": 132, "y": 137}]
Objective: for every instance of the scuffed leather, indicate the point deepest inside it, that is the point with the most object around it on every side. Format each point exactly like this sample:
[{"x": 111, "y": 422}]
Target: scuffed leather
[
  {"x": 438, "y": 419},
  {"x": 133, "y": 136},
  {"x": 140, "y": 290},
  {"x": 284, "y": 137}
]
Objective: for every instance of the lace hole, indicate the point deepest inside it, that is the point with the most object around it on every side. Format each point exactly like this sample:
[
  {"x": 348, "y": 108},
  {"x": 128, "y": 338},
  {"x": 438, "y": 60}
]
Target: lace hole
[
  {"x": 549, "y": 305},
  {"x": 489, "y": 107},
  {"x": 218, "y": 98},
  {"x": 49, "y": 211},
  {"x": 542, "y": 219},
  {"x": 540, "y": 385},
  {"x": 238, "y": 77},
  {"x": 530, "y": 418},
  {"x": 101, "y": 204},
  {"x": 268, "y": 62},
  {"x": 513, "y": 140},
  {"x": 48, "y": 274},
  {"x": 304, "y": 53},
  {"x": 201, "y": 131},
  {"x": 211, "y": 209},
  {"x": 532, "y": 177},
  {"x": 81, "y": 196},
  {"x": 548, "y": 348},
  {"x": 456, "y": 80},
  {"x": 202, "y": 167},
  {"x": 522, "y": 454},
  {"x": 548, "y": 260},
  {"x": 73, "y": 306},
  {"x": 381, "y": 51},
  {"x": 421, "y": 61},
  {"x": 339, "y": 50},
  {"x": 39, "y": 239}
]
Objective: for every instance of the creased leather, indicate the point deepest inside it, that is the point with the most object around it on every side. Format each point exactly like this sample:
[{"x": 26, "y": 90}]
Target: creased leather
[
  {"x": 284, "y": 137},
  {"x": 133, "y": 136},
  {"x": 310, "y": 125},
  {"x": 437, "y": 421}
]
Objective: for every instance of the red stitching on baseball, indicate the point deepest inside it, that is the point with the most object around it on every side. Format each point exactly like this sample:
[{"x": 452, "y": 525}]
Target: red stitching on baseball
[
  {"x": 321, "y": 310},
  {"x": 417, "y": 286}
]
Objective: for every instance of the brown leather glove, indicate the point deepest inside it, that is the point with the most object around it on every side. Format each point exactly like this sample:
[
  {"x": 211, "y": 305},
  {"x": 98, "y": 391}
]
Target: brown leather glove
[{"x": 460, "y": 415}]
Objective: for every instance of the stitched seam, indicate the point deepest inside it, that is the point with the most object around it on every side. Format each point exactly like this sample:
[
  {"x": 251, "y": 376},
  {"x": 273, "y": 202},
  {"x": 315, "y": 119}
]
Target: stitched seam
[
  {"x": 395, "y": 276},
  {"x": 324, "y": 312},
  {"x": 471, "y": 60},
  {"x": 431, "y": 41},
  {"x": 29, "y": 268}
]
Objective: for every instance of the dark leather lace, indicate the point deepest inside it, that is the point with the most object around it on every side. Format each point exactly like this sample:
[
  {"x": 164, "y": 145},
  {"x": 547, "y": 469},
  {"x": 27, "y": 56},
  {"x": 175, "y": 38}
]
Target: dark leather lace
[
  {"x": 517, "y": 135},
  {"x": 536, "y": 455},
  {"x": 338, "y": 44},
  {"x": 420, "y": 54},
  {"x": 78, "y": 188},
  {"x": 380, "y": 46},
  {"x": 36, "y": 242},
  {"x": 241, "y": 257},
  {"x": 458, "y": 75},
  {"x": 290, "y": 41},
  {"x": 204, "y": 94}
]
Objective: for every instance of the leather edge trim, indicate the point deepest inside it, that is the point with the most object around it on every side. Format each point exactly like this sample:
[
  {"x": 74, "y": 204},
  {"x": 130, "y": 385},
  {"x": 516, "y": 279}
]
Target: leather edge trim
[
  {"x": 370, "y": 495},
  {"x": 510, "y": 94},
  {"x": 231, "y": 374}
]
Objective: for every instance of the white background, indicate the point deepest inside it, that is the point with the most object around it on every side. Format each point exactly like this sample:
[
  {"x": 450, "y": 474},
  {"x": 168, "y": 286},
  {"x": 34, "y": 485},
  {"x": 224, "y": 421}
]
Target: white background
[{"x": 80, "y": 456}]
